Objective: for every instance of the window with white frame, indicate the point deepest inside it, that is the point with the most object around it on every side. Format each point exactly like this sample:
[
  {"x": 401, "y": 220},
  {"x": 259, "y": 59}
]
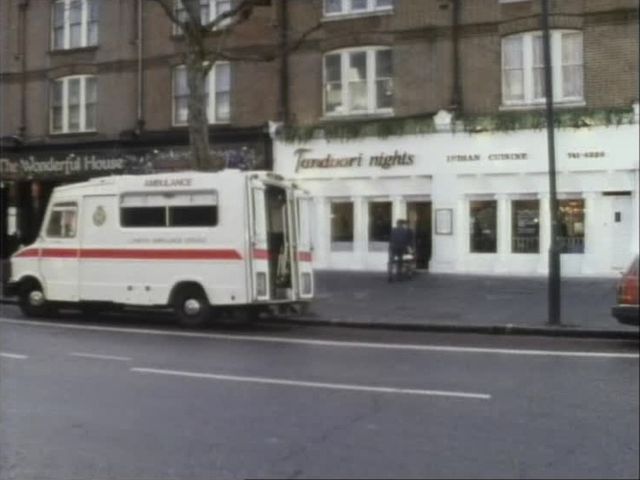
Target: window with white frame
[
  {"x": 358, "y": 81},
  {"x": 342, "y": 225},
  {"x": 209, "y": 11},
  {"x": 380, "y": 217},
  {"x": 74, "y": 24},
  {"x": 571, "y": 226},
  {"x": 525, "y": 226},
  {"x": 483, "y": 231},
  {"x": 73, "y": 104},
  {"x": 355, "y": 7},
  {"x": 218, "y": 104},
  {"x": 523, "y": 68}
]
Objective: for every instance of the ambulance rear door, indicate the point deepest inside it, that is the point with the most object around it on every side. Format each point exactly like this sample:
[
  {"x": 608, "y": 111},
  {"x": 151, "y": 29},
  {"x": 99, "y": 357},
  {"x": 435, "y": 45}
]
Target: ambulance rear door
[
  {"x": 259, "y": 241},
  {"x": 304, "y": 249}
]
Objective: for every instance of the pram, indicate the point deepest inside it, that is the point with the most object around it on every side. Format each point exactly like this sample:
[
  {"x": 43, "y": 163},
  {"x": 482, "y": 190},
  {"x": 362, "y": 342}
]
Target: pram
[
  {"x": 408, "y": 264},
  {"x": 407, "y": 267}
]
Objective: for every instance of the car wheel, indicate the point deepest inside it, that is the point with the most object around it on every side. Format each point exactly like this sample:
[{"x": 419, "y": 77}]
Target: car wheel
[
  {"x": 192, "y": 307},
  {"x": 32, "y": 301}
]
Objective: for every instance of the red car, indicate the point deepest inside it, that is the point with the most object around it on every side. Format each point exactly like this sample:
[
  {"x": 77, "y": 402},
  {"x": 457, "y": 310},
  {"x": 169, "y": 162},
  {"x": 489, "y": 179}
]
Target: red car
[{"x": 627, "y": 310}]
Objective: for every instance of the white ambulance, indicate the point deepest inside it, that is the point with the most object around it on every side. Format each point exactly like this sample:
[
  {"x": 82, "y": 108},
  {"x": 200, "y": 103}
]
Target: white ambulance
[{"x": 201, "y": 243}]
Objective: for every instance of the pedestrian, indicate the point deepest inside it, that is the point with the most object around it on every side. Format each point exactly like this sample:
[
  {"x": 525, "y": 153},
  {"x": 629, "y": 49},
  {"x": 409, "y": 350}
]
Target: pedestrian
[{"x": 399, "y": 244}]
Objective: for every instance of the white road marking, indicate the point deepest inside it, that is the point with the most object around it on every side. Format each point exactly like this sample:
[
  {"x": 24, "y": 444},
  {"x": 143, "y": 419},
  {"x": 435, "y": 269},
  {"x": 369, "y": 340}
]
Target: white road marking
[
  {"x": 328, "y": 343},
  {"x": 15, "y": 356},
  {"x": 298, "y": 383},
  {"x": 100, "y": 357}
]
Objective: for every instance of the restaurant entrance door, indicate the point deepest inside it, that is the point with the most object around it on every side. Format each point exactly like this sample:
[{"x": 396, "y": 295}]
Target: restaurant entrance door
[{"x": 419, "y": 217}]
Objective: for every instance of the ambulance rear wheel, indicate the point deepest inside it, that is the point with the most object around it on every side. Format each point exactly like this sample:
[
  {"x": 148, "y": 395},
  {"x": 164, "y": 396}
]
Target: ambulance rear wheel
[
  {"x": 32, "y": 301},
  {"x": 192, "y": 307}
]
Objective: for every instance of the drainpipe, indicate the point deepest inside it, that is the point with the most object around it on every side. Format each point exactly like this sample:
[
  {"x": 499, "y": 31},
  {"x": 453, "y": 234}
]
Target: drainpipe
[
  {"x": 22, "y": 6},
  {"x": 140, "y": 88},
  {"x": 284, "y": 61},
  {"x": 456, "y": 98}
]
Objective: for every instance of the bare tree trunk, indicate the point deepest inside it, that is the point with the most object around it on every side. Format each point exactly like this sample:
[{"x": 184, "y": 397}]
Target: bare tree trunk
[
  {"x": 200, "y": 60},
  {"x": 197, "y": 119}
]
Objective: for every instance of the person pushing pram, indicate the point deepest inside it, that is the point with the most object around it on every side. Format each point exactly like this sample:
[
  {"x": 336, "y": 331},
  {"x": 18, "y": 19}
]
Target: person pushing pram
[{"x": 401, "y": 258}]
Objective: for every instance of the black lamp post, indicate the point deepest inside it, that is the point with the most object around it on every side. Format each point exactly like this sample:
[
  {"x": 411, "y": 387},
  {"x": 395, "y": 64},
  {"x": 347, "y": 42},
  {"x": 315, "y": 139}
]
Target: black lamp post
[{"x": 554, "y": 247}]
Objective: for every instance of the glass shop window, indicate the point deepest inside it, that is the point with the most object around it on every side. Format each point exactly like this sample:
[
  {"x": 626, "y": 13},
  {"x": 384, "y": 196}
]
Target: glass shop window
[
  {"x": 341, "y": 226},
  {"x": 379, "y": 225},
  {"x": 525, "y": 226},
  {"x": 483, "y": 228},
  {"x": 571, "y": 225}
]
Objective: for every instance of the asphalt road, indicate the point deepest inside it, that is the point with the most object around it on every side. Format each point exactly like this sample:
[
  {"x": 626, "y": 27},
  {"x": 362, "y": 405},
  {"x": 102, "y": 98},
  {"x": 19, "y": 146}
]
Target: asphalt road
[{"x": 130, "y": 397}]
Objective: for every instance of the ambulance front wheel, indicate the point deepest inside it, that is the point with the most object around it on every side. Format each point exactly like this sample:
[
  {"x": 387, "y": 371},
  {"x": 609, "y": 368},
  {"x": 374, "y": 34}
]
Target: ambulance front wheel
[
  {"x": 32, "y": 301},
  {"x": 192, "y": 307}
]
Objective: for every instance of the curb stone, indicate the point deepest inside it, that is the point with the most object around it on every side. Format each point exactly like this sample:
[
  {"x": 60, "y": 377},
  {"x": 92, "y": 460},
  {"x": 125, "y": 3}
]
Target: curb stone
[{"x": 510, "y": 329}]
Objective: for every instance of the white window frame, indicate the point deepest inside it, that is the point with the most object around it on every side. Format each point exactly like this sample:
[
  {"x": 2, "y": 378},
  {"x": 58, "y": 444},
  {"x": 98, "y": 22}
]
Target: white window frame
[
  {"x": 527, "y": 67},
  {"x": 65, "y": 104},
  {"x": 347, "y": 10},
  {"x": 211, "y": 85},
  {"x": 84, "y": 25},
  {"x": 213, "y": 13},
  {"x": 372, "y": 108}
]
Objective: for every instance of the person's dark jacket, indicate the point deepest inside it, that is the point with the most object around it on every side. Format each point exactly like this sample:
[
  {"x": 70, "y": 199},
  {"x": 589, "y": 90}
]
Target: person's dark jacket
[{"x": 401, "y": 239}]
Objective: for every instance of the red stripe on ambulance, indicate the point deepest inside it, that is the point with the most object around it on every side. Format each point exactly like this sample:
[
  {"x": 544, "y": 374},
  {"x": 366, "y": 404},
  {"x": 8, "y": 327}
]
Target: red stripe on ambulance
[
  {"x": 129, "y": 254},
  {"x": 304, "y": 256}
]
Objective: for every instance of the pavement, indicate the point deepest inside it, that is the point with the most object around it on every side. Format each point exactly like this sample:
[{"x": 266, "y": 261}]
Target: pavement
[
  {"x": 461, "y": 303},
  {"x": 466, "y": 303}
]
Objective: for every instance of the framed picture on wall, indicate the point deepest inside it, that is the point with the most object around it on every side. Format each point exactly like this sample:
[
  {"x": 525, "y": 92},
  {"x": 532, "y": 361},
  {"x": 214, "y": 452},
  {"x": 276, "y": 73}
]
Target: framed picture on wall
[{"x": 444, "y": 221}]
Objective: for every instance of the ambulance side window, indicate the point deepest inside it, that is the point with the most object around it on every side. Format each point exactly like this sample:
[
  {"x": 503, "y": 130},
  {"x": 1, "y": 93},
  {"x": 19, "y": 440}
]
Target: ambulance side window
[
  {"x": 193, "y": 209},
  {"x": 169, "y": 209},
  {"x": 63, "y": 221},
  {"x": 193, "y": 216},
  {"x": 143, "y": 217}
]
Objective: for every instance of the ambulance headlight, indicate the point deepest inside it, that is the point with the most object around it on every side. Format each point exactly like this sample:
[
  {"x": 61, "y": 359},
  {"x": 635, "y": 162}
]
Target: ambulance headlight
[
  {"x": 261, "y": 284},
  {"x": 306, "y": 284}
]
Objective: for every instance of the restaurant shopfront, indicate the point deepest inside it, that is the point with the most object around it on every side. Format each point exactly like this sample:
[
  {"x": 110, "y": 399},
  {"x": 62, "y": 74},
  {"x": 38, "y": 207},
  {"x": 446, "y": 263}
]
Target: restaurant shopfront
[{"x": 478, "y": 202}]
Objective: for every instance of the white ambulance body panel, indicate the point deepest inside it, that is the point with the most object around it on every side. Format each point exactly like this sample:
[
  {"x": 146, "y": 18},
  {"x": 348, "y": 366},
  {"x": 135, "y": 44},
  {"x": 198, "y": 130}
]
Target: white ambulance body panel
[{"x": 135, "y": 239}]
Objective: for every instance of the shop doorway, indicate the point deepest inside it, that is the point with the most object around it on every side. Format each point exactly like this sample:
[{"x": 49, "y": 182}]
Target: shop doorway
[{"x": 419, "y": 217}]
